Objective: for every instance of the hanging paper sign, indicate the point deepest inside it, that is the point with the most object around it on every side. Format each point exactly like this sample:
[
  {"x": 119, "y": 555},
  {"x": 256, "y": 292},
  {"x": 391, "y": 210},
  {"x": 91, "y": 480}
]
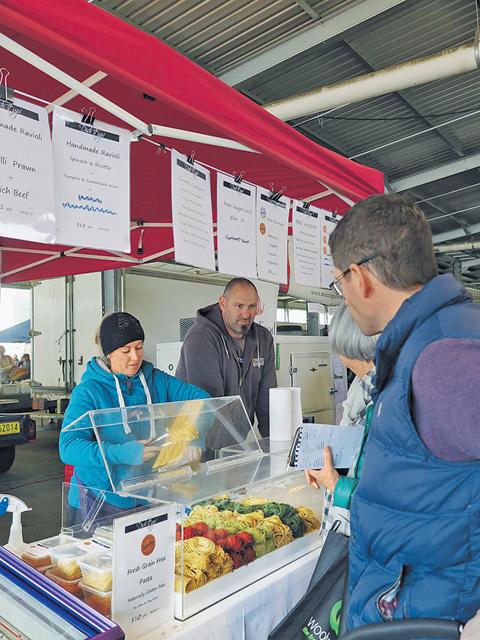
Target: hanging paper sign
[
  {"x": 192, "y": 213},
  {"x": 306, "y": 244},
  {"x": 92, "y": 183},
  {"x": 236, "y": 227},
  {"x": 328, "y": 223},
  {"x": 272, "y": 236},
  {"x": 26, "y": 173}
]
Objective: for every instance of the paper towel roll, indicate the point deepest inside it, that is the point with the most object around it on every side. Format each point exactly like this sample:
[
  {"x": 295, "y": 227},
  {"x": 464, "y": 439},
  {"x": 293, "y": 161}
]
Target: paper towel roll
[
  {"x": 296, "y": 408},
  {"x": 285, "y": 412}
]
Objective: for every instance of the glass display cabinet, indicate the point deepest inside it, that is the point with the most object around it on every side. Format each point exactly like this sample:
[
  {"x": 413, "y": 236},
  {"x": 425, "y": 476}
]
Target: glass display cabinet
[{"x": 241, "y": 511}]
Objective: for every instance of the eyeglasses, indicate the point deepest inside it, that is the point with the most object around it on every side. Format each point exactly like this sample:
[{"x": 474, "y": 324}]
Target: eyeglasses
[{"x": 335, "y": 285}]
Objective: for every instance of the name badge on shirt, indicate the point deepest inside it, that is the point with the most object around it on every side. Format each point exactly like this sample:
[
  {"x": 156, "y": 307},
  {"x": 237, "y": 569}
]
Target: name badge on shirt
[{"x": 258, "y": 362}]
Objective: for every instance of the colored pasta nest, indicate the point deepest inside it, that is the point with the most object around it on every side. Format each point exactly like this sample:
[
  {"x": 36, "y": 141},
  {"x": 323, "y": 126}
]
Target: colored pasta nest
[{"x": 221, "y": 535}]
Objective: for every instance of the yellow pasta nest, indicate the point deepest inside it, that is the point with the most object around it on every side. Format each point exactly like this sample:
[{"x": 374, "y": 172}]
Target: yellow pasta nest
[
  {"x": 309, "y": 518},
  {"x": 281, "y": 533},
  {"x": 198, "y": 561},
  {"x": 250, "y": 519},
  {"x": 252, "y": 500}
]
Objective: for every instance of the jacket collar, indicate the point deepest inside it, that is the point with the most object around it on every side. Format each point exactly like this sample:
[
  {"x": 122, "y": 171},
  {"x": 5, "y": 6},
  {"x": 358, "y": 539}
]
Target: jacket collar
[{"x": 442, "y": 291}]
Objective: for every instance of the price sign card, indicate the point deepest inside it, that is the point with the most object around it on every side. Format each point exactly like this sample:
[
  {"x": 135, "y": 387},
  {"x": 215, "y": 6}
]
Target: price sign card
[
  {"x": 306, "y": 244},
  {"x": 92, "y": 182},
  {"x": 26, "y": 173},
  {"x": 272, "y": 236},
  {"x": 143, "y": 570},
  {"x": 328, "y": 223},
  {"x": 192, "y": 213},
  {"x": 236, "y": 227}
]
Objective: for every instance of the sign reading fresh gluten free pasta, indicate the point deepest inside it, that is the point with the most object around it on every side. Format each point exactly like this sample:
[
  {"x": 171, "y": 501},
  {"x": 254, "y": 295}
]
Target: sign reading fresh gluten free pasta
[
  {"x": 92, "y": 182},
  {"x": 26, "y": 173},
  {"x": 143, "y": 570}
]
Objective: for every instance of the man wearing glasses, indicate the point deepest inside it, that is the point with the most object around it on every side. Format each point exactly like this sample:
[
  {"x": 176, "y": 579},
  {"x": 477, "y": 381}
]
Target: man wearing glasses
[{"x": 415, "y": 520}]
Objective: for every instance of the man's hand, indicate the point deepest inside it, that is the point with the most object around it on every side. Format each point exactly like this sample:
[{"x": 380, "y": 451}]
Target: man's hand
[{"x": 327, "y": 476}]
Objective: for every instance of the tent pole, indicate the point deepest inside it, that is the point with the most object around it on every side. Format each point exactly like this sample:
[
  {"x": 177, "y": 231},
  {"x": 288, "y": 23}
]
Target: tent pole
[
  {"x": 192, "y": 136},
  {"x": 66, "y": 97},
  {"x": 56, "y": 73}
]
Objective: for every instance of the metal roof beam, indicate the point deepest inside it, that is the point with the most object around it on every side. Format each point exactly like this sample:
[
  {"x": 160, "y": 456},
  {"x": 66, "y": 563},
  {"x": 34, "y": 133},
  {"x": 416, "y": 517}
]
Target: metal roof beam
[
  {"x": 322, "y": 31},
  {"x": 443, "y": 171},
  {"x": 303, "y": 4},
  {"x": 457, "y": 233},
  {"x": 406, "y": 101}
]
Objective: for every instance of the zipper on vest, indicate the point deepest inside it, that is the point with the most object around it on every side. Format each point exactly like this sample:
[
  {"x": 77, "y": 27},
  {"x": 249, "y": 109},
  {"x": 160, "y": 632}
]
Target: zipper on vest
[
  {"x": 129, "y": 385},
  {"x": 390, "y": 599}
]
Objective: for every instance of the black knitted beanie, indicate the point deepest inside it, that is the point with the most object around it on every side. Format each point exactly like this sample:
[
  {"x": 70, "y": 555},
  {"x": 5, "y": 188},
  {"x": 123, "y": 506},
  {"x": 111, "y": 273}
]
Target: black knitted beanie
[{"x": 118, "y": 329}]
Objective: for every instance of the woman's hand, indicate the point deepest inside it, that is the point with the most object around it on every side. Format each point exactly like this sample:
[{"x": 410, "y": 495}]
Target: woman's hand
[
  {"x": 149, "y": 452},
  {"x": 327, "y": 476}
]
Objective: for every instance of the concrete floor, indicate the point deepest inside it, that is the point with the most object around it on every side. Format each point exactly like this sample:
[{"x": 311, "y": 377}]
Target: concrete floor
[{"x": 36, "y": 477}]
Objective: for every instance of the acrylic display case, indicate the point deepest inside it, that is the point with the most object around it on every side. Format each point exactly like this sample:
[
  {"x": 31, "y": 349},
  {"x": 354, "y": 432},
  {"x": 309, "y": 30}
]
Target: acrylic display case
[
  {"x": 32, "y": 607},
  {"x": 242, "y": 513}
]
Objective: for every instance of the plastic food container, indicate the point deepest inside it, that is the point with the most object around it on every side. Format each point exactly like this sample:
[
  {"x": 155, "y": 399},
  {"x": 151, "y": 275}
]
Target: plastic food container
[
  {"x": 65, "y": 561},
  {"x": 36, "y": 556},
  {"x": 101, "y": 601},
  {"x": 93, "y": 546},
  {"x": 72, "y": 586},
  {"x": 56, "y": 541},
  {"x": 97, "y": 572},
  {"x": 44, "y": 569}
]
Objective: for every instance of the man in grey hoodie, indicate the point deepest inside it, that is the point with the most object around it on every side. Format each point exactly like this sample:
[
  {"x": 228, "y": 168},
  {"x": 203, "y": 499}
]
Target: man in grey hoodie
[{"x": 228, "y": 354}]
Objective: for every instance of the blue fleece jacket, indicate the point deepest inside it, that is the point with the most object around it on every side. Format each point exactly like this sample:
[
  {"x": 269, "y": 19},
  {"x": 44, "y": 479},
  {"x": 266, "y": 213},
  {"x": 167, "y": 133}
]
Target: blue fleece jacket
[{"x": 123, "y": 453}]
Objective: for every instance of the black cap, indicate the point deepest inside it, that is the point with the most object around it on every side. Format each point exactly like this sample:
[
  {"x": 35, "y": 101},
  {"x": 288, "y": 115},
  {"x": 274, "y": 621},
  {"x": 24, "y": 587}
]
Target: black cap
[{"x": 118, "y": 329}]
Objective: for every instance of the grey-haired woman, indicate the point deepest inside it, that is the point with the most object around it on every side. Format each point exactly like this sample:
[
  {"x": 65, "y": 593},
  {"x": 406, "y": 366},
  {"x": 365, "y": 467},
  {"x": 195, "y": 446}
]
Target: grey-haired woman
[{"x": 356, "y": 351}]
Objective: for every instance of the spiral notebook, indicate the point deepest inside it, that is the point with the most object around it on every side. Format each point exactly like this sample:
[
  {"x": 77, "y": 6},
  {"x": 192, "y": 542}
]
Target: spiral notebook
[{"x": 306, "y": 451}]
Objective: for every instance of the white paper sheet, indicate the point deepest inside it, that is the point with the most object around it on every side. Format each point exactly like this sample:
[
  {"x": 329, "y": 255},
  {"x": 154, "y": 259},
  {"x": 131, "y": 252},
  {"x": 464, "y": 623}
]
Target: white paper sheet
[
  {"x": 192, "y": 213},
  {"x": 272, "y": 236},
  {"x": 328, "y": 224},
  {"x": 306, "y": 244},
  {"x": 345, "y": 443},
  {"x": 236, "y": 227},
  {"x": 92, "y": 182},
  {"x": 26, "y": 173}
]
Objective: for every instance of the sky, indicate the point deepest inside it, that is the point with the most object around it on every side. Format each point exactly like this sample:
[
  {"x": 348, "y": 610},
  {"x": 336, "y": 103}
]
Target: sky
[{"x": 14, "y": 306}]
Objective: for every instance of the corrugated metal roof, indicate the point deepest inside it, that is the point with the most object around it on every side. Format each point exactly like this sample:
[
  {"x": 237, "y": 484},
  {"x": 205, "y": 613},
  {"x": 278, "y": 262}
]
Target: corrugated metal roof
[{"x": 219, "y": 34}]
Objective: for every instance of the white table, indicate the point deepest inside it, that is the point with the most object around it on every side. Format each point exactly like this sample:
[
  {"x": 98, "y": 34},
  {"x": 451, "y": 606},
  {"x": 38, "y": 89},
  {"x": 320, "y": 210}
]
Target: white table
[{"x": 251, "y": 613}]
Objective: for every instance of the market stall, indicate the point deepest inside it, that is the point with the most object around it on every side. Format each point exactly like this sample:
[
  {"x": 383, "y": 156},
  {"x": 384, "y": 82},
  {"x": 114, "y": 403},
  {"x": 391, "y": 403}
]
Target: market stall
[
  {"x": 212, "y": 523},
  {"x": 74, "y": 54},
  {"x": 69, "y": 54}
]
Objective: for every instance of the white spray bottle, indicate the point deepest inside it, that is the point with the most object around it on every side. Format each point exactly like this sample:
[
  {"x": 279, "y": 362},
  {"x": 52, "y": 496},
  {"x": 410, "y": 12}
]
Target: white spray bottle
[{"x": 16, "y": 507}]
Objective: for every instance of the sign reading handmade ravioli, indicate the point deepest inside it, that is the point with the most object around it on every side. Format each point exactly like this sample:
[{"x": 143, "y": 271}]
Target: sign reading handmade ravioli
[
  {"x": 143, "y": 570},
  {"x": 328, "y": 222},
  {"x": 192, "y": 213},
  {"x": 92, "y": 183},
  {"x": 272, "y": 236},
  {"x": 306, "y": 244},
  {"x": 236, "y": 227},
  {"x": 26, "y": 173}
]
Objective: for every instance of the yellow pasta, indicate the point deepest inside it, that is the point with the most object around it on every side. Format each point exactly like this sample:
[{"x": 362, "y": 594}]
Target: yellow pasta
[{"x": 309, "y": 518}]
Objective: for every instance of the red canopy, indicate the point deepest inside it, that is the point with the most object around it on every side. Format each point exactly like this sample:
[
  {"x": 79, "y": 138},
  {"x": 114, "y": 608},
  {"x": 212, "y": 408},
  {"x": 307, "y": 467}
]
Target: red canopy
[{"x": 158, "y": 85}]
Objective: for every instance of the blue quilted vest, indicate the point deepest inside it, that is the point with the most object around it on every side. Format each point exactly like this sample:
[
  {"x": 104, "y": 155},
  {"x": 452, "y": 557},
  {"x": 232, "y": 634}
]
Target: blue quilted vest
[{"x": 415, "y": 520}]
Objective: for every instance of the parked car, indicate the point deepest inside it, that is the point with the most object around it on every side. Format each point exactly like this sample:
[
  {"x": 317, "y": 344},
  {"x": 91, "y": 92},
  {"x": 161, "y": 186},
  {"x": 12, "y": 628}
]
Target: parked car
[{"x": 15, "y": 429}]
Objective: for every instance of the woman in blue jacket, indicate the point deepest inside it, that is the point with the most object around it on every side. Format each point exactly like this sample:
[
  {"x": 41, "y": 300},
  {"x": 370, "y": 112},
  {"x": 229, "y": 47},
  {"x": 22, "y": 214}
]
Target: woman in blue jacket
[{"x": 122, "y": 378}]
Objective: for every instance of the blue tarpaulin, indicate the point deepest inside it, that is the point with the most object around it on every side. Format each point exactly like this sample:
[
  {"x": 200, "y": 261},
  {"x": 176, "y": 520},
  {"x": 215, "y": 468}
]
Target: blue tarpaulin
[{"x": 17, "y": 333}]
